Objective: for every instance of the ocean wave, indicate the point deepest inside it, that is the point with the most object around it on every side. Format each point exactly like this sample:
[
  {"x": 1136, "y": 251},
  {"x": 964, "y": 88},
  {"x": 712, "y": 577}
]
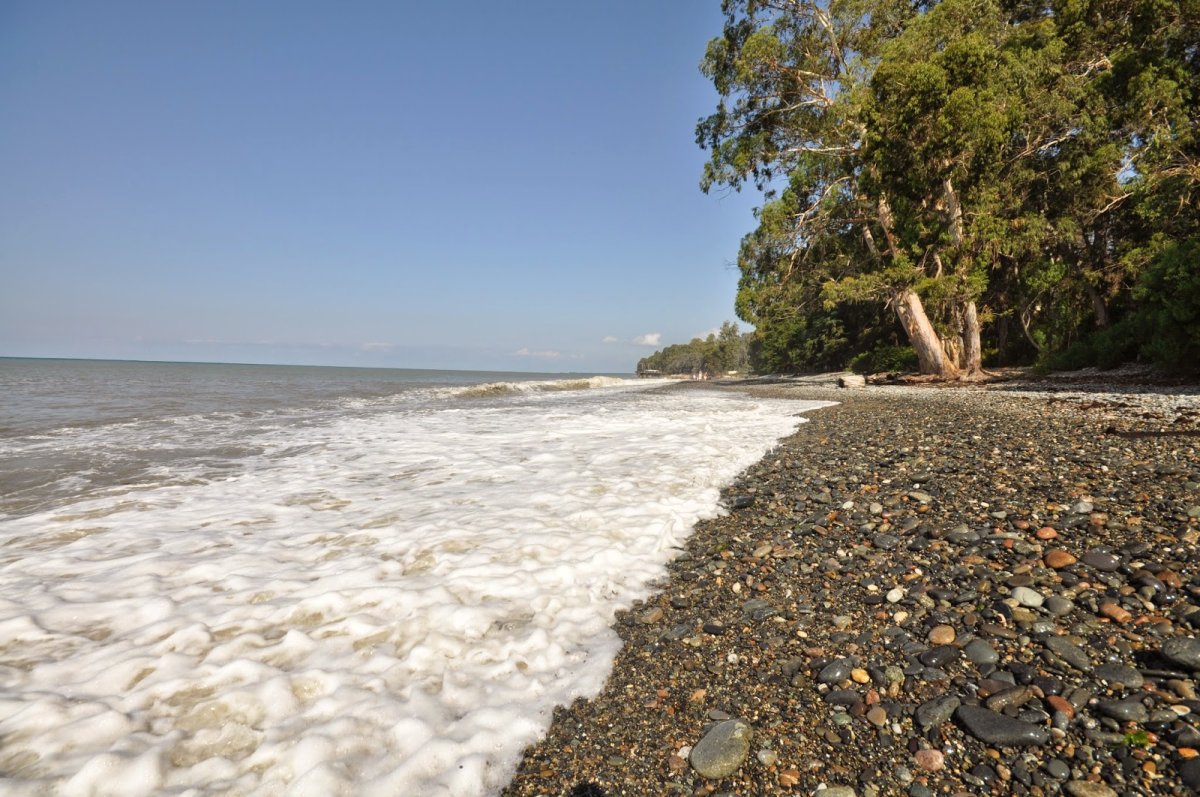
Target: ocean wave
[{"x": 550, "y": 386}]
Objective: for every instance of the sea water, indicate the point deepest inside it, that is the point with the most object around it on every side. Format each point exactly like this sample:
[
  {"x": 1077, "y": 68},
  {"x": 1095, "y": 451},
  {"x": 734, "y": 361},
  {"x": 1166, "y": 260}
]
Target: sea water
[{"x": 221, "y": 579}]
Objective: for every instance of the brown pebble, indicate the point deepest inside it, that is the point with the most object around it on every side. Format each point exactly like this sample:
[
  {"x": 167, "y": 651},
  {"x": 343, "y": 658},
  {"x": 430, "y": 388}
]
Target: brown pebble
[
  {"x": 877, "y": 717},
  {"x": 1046, "y": 533},
  {"x": 1114, "y": 612},
  {"x": 1057, "y": 559},
  {"x": 789, "y": 778},
  {"x": 1061, "y": 704},
  {"x": 651, "y": 616},
  {"x": 941, "y": 635},
  {"x": 930, "y": 760},
  {"x": 859, "y": 675}
]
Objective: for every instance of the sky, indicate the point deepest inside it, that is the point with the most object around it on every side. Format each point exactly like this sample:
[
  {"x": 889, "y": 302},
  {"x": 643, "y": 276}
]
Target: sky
[{"x": 482, "y": 185}]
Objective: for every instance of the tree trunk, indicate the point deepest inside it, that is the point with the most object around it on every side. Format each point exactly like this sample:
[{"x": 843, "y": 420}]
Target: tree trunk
[
  {"x": 972, "y": 356},
  {"x": 924, "y": 338},
  {"x": 1098, "y": 305}
]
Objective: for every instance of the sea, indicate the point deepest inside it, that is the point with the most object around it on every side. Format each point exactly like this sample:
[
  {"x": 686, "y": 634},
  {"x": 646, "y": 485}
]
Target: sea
[{"x": 270, "y": 580}]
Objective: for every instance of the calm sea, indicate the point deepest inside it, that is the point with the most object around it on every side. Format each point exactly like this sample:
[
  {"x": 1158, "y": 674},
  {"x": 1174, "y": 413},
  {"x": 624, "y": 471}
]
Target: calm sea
[{"x": 242, "y": 579}]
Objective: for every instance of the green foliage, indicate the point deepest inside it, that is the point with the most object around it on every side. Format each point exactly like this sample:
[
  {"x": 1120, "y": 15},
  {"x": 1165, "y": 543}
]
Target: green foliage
[
  {"x": 884, "y": 358},
  {"x": 1169, "y": 306},
  {"x": 1040, "y": 160},
  {"x": 1136, "y": 739},
  {"x": 727, "y": 350}
]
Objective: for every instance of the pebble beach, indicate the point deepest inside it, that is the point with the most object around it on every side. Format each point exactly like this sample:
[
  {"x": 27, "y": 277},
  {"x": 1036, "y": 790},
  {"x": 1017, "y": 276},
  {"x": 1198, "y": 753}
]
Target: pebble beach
[{"x": 923, "y": 591}]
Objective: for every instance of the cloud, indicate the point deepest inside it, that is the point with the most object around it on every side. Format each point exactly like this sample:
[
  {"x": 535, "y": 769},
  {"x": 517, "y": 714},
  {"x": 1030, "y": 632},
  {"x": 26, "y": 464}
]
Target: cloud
[
  {"x": 545, "y": 355},
  {"x": 649, "y": 339},
  {"x": 609, "y": 339},
  {"x": 375, "y": 346}
]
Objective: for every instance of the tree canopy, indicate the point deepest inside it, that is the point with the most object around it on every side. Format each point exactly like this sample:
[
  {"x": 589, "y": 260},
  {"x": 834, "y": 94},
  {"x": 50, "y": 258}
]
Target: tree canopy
[{"x": 1009, "y": 178}]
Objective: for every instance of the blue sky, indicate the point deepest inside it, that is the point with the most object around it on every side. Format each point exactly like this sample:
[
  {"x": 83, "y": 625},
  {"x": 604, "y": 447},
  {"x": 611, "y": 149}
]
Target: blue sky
[{"x": 459, "y": 185}]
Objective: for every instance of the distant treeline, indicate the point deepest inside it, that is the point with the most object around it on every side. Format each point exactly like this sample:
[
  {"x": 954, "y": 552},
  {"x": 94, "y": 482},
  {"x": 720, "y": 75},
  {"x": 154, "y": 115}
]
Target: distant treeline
[
  {"x": 962, "y": 182},
  {"x": 719, "y": 353}
]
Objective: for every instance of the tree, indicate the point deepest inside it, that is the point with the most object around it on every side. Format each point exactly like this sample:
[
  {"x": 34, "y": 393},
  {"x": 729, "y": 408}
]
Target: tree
[{"x": 793, "y": 76}]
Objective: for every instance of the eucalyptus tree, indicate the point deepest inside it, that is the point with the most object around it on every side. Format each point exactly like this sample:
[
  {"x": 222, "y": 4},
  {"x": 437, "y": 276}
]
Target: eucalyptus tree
[{"x": 792, "y": 76}]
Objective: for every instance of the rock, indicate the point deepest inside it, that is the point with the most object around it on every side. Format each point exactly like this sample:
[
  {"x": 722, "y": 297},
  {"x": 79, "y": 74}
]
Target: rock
[
  {"x": 836, "y": 791},
  {"x": 722, "y": 750},
  {"x": 651, "y": 616},
  {"x": 940, "y": 656},
  {"x": 1085, "y": 788},
  {"x": 1058, "y": 605},
  {"x": 1189, "y": 773},
  {"x": 936, "y": 712},
  {"x": 885, "y": 542},
  {"x": 1120, "y": 674},
  {"x": 1113, "y": 611},
  {"x": 895, "y": 595},
  {"x": 941, "y": 635},
  {"x": 930, "y": 760},
  {"x": 1068, "y": 652},
  {"x": 852, "y": 380},
  {"x": 997, "y": 729},
  {"x": 1184, "y": 651},
  {"x": 1123, "y": 710},
  {"x": 980, "y": 652},
  {"x": 1027, "y": 597},
  {"x": 835, "y": 671},
  {"x": 1057, "y": 559},
  {"x": 1057, "y": 769},
  {"x": 1103, "y": 561}
]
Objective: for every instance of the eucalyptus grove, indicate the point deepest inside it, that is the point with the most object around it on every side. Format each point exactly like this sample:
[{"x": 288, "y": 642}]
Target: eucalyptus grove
[{"x": 1004, "y": 171}]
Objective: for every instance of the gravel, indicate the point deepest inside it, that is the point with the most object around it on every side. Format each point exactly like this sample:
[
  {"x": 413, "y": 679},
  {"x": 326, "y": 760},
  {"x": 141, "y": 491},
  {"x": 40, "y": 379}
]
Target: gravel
[{"x": 923, "y": 591}]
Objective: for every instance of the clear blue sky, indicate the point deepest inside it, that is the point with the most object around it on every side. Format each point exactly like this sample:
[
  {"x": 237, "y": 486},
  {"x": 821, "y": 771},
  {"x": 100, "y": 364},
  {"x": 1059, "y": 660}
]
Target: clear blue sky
[{"x": 491, "y": 185}]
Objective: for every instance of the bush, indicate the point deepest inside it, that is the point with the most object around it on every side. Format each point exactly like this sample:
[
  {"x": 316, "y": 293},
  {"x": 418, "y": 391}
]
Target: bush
[{"x": 884, "y": 358}]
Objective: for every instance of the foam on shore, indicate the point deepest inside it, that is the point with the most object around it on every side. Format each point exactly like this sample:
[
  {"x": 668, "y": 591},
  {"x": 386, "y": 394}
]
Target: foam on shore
[{"x": 384, "y": 602}]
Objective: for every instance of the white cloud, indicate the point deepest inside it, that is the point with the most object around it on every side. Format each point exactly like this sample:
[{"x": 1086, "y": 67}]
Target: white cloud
[
  {"x": 376, "y": 346},
  {"x": 649, "y": 339},
  {"x": 609, "y": 339},
  {"x": 545, "y": 355}
]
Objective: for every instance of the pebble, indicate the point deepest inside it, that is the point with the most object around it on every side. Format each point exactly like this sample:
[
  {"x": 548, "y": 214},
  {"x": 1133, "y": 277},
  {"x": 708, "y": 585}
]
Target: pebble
[
  {"x": 941, "y": 635},
  {"x": 1103, "y": 561},
  {"x": 835, "y": 671},
  {"x": 1057, "y": 559},
  {"x": 1123, "y": 710},
  {"x": 1086, "y": 788},
  {"x": 1070, "y": 653},
  {"x": 721, "y": 751},
  {"x": 980, "y": 652},
  {"x": 1120, "y": 674},
  {"x": 1027, "y": 597},
  {"x": 1183, "y": 651},
  {"x": 937, "y": 711},
  {"x": 930, "y": 760},
  {"x": 993, "y": 728}
]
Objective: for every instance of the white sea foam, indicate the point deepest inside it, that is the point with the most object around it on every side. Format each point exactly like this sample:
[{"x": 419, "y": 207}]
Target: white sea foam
[{"x": 385, "y": 602}]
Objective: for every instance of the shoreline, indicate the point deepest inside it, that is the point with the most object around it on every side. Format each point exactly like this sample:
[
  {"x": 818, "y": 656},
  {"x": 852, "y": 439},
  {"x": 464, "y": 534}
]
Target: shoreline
[{"x": 920, "y": 592}]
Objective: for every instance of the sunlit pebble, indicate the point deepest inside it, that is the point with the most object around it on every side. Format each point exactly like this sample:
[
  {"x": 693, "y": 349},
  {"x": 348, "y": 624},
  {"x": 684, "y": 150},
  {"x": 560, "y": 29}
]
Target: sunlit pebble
[
  {"x": 930, "y": 760},
  {"x": 1046, "y": 533},
  {"x": 859, "y": 675},
  {"x": 900, "y": 617},
  {"x": 941, "y": 635}
]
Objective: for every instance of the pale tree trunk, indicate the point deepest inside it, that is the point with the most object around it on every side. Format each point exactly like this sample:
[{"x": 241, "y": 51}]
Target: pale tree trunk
[
  {"x": 971, "y": 359},
  {"x": 972, "y": 355},
  {"x": 911, "y": 311},
  {"x": 924, "y": 338}
]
